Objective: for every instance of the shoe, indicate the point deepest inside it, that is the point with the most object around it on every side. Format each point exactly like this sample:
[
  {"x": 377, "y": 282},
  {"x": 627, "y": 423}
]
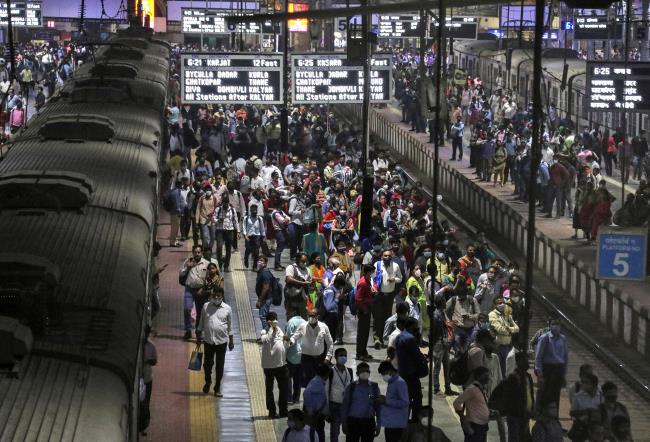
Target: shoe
[
  {"x": 436, "y": 390},
  {"x": 206, "y": 388},
  {"x": 278, "y": 268},
  {"x": 187, "y": 336},
  {"x": 217, "y": 393},
  {"x": 273, "y": 415},
  {"x": 377, "y": 345},
  {"x": 283, "y": 414},
  {"x": 338, "y": 342},
  {"x": 452, "y": 159},
  {"x": 246, "y": 264},
  {"x": 548, "y": 215},
  {"x": 177, "y": 244},
  {"x": 226, "y": 270},
  {"x": 450, "y": 392}
]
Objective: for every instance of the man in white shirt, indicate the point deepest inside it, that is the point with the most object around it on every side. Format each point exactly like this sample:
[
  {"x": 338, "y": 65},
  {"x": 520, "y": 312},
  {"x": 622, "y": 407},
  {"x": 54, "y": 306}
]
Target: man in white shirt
[
  {"x": 268, "y": 170},
  {"x": 387, "y": 276},
  {"x": 226, "y": 225},
  {"x": 340, "y": 377},
  {"x": 317, "y": 345},
  {"x": 254, "y": 231},
  {"x": 216, "y": 321},
  {"x": 193, "y": 274},
  {"x": 274, "y": 363}
]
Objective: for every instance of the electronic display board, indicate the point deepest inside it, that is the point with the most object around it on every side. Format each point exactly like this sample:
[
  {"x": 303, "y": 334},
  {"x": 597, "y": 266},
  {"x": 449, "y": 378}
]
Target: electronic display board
[
  {"x": 518, "y": 16},
  {"x": 213, "y": 21},
  {"x": 231, "y": 78},
  {"x": 327, "y": 78},
  {"x": 596, "y": 28},
  {"x": 458, "y": 28},
  {"x": 613, "y": 86},
  {"x": 23, "y": 14},
  {"x": 399, "y": 26}
]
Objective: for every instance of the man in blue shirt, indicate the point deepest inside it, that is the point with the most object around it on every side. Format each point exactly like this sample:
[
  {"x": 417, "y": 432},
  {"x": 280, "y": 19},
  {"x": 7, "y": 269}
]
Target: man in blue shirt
[
  {"x": 294, "y": 355},
  {"x": 551, "y": 361},
  {"x": 394, "y": 406},
  {"x": 360, "y": 408},
  {"x": 412, "y": 364},
  {"x": 331, "y": 297},
  {"x": 315, "y": 405},
  {"x": 457, "y": 132}
]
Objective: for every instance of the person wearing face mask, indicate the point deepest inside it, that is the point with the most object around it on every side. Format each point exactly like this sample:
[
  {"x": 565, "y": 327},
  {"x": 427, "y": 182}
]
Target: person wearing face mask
[
  {"x": 274, "y": 365},
  {"x": 342, "y": 226},
  {"x": 346, "y": 264},
  {"x": 360, "y": 410},
  {"x": 412, "y": 364},
  {"x": 316, "y": 404},
  {"x": 339, "y": 378},
  {"x": 463, "y": 311},
  {"x": 215, "y": 331},
  {"x": 611, "y": 409},
  {"x": 226, "y": 229},
  {"x": 551, "y": 362},
  {"x": 205, "y": 209},
  {"x": 586, "y": 403},
  {"x": 317, "y": 345},
  {"x": 328, "y": 304},
  {"x": 294, "y": 167},
  {"x": 192, "y": 276},
  {"x": 416, "y": 283},
  {"x": 487, "y": 290},
  {"x": 254, "y": 230},
  {"x": 299, "y": 284},
  {"x": 504, "y": 328},
  {"x": 470, "y": 263},
  {"x": 412, "y": 300},
  {"x": 387, "y": 276},
  {"x": 297, "y": 430},
  {"x": 394, "y": 405},
  {"x": 295, "y": 228},
  {"x": 374, "y": 254}
]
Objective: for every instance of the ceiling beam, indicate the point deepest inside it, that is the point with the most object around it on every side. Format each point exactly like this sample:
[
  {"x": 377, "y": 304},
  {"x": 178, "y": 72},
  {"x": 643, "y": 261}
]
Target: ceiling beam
[{"x": 389, "y": 8}]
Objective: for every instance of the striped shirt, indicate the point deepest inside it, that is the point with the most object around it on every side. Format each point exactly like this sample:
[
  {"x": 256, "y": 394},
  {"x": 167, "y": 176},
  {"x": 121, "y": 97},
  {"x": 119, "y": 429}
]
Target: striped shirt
[{"x": 225, "y": 219}]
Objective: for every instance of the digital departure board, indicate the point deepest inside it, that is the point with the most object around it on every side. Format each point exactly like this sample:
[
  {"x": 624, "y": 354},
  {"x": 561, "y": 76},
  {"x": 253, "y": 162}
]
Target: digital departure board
[
  {"x": 399, "y": 26},
  {"x": 231, "y": 78},
  {"x": 213, "y": 21},
  {"x": 23, "y": 14},
  {"x": 458, "y": 28},
  {"x": 519, "y": 17},
  {"x": 319, "y": 78},
  {"x": 596, "y": 28},
  {"x": 613, "y": 86}
]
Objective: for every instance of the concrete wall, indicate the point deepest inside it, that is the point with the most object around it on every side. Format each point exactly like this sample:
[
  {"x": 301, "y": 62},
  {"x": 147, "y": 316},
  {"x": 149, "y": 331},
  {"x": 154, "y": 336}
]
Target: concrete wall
[{"x": 614, "y": 309}]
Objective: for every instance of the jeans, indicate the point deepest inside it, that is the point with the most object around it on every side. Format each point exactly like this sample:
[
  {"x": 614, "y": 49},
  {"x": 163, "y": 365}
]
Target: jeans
[
  {"x": 295, "y": 379},
  {"x": 281, "y": 376},
  {"x": 252, "y": 247},
  {"x": 393, "y": 434},
  {"x": 309, "y": 364},
  {"x": 264, "y": 310},
  {"x": 382, "y": 308},
  {"x": 638, "y": 167},
  {"x": 224, "y": 237},
  {"x": 441, "y": 360},
  {"x": 502, "y": 354},
  {"x": 363, "y": 332},
  {"x": 335, "y": 423},
  {"x": 186, "y": 223},
  {"x": 294, "y": 232},
  {"x": 480, "y": 433},
  {"x": 415, "y": 396},
  {"x": 207, "y": 236},
  {"x": 457, "y": 144},
  {"x": 188, "y": 303},
  {"x": 175, "y": 219},
  {"x": 360, "y": 429},
  {"x": 280, "y": 243},
  {"x": 214, "y": 355},
  {"x": 555, "y": 194}
]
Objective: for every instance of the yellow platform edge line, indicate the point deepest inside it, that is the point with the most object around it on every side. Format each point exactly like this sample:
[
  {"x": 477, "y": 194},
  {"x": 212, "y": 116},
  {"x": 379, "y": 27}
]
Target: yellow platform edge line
[{"x": 264, "y": 430}]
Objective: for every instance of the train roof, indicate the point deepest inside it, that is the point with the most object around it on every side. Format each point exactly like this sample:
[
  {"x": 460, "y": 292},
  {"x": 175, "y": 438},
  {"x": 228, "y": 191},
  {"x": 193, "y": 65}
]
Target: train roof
[
  {"x": 133, "y": 69},
  {"x": 62, "y": 119},
  {"x": 61, "y": 175},
  {"x": 81, "y": 281},
  {"x": 56, "y": 400}
]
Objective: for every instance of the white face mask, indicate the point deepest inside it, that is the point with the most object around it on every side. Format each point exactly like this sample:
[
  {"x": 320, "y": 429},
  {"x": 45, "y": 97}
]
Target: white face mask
[
  {"x": 364, "y": 376},
  {"x": 418, "y": 273},
  {"x": 313, "y": 320},
  {"x": 386, "y": 377}
]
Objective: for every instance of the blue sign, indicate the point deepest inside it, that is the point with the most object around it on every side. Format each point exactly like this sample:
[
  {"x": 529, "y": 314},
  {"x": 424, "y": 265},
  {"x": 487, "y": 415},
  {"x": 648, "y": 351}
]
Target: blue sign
[
  {"x": 622, "y": 253},
  {"x": 568, "y": 25}
]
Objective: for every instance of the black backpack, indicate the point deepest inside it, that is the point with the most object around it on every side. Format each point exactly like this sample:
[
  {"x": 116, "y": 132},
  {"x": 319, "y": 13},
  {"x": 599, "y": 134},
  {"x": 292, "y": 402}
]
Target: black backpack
[
  {"x": 458, "y": 369},
  {"x": 312, "y": 434},
  {"x": 276, "y": 289}
]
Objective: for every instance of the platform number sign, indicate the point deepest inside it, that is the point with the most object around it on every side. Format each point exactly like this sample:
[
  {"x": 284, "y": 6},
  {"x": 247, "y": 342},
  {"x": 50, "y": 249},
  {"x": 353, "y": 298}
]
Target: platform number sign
[{"x": 622, "y": 253}]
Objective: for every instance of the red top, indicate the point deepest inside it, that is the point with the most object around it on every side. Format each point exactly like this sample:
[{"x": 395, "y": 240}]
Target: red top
[{"x": 364, "y": 295}]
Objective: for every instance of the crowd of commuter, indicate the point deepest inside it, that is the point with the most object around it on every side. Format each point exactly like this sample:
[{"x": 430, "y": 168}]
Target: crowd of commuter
[{"x": 231, "y": 180}]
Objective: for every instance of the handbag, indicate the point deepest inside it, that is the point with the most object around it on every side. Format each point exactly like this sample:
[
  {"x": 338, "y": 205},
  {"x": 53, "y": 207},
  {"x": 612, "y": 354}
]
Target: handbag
[{"x": 196, "y": 359}]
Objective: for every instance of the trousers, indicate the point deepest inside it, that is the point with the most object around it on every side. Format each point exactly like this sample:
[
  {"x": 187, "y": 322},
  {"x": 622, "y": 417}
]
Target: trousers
[{"x": 215, "y": 355}]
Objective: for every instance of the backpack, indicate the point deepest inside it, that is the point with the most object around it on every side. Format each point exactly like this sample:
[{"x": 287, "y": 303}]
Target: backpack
[
  {"x": 352, "y": 301},
  {"x": 62, "y": 73},
  {"x": 458, "y": 368},
  {"x": 168, "y": 202},
  {"x": 312, "y": 434},
  {"x": 276, "y": 291},
  {"x": 378, "y": 278}
]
